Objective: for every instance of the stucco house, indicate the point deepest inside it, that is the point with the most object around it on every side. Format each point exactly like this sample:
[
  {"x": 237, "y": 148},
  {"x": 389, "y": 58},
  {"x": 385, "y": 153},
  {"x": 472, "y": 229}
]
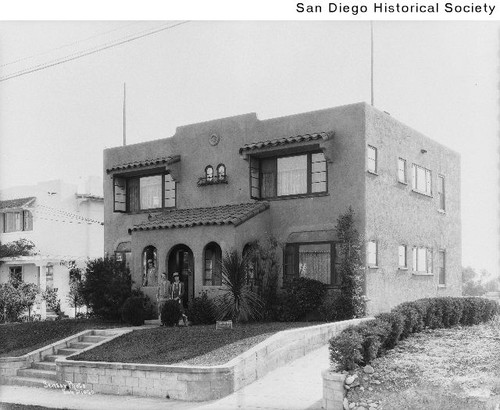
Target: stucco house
[
  {"x": 183, "y": 201},
  {"x": 63, "y": 220}
]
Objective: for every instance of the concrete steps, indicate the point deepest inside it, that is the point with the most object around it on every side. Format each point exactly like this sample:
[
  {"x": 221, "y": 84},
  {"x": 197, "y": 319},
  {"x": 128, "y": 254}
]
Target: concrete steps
[{"x": 43, "y": 373}]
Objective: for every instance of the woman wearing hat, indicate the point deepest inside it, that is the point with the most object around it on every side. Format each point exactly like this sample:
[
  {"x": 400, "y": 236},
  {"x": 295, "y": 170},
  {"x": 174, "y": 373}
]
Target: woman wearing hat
[
  {"x": 163, "y": 293},
  {"x": 178, "y": 294}
]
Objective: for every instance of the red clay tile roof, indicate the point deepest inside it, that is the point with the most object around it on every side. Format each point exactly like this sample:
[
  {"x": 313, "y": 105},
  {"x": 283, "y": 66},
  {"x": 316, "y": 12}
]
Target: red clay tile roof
[
  {"x": 145, "y": 162},
  {"x": 285, "y": 140},
  {"x": 217, "y": 215},
  {"x": 16, "y": 203}
]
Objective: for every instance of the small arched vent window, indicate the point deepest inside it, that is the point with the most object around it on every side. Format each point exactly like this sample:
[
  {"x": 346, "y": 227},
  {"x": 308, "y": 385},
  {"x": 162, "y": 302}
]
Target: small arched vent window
[
  {"x": 221, "y": 171},
  {"x": 209, "y": 173}
]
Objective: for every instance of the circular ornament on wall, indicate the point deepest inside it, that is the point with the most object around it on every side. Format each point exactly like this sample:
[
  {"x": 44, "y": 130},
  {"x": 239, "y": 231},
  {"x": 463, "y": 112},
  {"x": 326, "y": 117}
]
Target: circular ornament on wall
[{"x": 214, "y": 139}]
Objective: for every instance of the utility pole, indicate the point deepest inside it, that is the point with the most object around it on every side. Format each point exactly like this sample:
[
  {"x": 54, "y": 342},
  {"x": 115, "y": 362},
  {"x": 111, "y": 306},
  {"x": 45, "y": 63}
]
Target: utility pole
[
  {"x": 124, "y": 114},
  {"x": 371, "y": 64}
]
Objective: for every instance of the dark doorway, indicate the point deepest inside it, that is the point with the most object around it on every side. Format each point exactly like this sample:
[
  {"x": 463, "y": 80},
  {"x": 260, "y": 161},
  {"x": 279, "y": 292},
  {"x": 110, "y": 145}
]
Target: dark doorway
[{"x": 180, "y": 259}]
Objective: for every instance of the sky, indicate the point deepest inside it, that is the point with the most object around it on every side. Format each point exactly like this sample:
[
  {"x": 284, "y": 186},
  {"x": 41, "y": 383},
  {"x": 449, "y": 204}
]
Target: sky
[{"x": 440, "y": 78}]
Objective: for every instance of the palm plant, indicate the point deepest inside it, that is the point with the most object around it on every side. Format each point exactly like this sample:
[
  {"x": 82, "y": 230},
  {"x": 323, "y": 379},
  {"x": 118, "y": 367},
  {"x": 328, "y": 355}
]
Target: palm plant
[{"x": 239, "y": 302}]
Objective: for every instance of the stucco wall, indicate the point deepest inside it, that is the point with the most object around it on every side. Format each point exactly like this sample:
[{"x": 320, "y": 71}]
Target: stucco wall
[{"x": 396, "y": 215}]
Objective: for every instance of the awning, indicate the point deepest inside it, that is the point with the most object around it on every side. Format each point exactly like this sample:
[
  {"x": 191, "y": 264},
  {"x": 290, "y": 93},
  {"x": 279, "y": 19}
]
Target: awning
[
  {"x": 218, "y": 215},
  {"x": 145, "y": 163},
  {"x": 18, "y": 203},
  {"x": 261, "y": 145}
]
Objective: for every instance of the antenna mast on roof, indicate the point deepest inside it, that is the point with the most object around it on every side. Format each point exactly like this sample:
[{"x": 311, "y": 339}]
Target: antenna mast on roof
[
  {"x": 371, "y": 63},
  {"x": 124, "y": 114}
]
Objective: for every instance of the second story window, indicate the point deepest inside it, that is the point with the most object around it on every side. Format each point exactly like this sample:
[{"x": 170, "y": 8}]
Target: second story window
[
  {"x": 441, "y": 193},
  {"x": 288, "y": 175},
  {"x": 422, "y": 181},
  {"x": 372, "y": 159},
  {"x": 17, "y": 221},
  {"x": 144, "y": 193},
  {"x": 402, "y": 170}
]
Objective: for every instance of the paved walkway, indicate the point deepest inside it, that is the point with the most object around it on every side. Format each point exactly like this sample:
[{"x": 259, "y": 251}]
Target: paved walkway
[{"x": 296, "y": 386}]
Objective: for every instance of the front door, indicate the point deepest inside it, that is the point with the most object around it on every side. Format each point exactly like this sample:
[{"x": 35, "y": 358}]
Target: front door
[{"x": 180, "y": 260}]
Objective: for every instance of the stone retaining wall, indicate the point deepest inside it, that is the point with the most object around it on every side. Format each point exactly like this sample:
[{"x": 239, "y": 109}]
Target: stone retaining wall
[{"x": 199, "y": 383}]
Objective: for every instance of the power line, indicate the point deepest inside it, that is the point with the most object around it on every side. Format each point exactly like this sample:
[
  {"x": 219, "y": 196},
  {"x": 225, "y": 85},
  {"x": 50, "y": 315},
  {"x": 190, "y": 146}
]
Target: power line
[
  {"x": 66, "y": 45},
  {"x": 85, "y": 53}
]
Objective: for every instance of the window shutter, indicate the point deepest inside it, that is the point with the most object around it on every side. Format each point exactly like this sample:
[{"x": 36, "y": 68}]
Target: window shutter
[
  {"x": 414, "y": 258},
  {"x": 254, "y": 178},
  {"x": 28, "y": 221},
  {"x": 2, "y": 223},
  {"x": 429, "y": 261},
  {"x": 414, "y": 177},
  {"x": 120, "y": 194},
  {"x": 428, "y": 182}
]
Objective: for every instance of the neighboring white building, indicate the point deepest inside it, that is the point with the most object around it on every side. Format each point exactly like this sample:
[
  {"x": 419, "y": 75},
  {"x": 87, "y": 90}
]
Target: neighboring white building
[{"x": 63, "y": 220}]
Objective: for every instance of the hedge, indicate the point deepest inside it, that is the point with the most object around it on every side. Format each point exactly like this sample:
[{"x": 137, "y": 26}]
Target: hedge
[{"x": 359, "y": 345}]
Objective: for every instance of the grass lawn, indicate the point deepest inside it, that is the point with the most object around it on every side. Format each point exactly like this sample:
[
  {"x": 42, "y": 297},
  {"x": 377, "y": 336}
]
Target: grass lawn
[
  {"x": 441, "y": 369},
  {"x": 196, "y": 345},
  {"x": 17, "y": 339}
]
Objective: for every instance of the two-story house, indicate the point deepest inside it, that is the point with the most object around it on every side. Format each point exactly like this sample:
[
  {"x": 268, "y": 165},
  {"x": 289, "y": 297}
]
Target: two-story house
[
  {"x": 63, "y": 220},
  {"x": 183, "y": 201}
]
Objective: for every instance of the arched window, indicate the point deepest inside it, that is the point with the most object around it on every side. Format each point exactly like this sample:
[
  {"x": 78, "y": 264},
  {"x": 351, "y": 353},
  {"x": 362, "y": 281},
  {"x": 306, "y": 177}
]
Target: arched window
[
  {"x": 123, "y": 252},
  {"x": 212, "y": 268},
  {"x": 149, "y": 267},
  {"x": 221, "y": 172},
  {"x": 249, "y": 256},
  {"x": 209, "y": 173}
]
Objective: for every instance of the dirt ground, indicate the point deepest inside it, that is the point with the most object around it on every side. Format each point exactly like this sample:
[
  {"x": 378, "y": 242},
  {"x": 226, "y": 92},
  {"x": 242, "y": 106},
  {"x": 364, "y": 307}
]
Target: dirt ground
[{"x": 440, "y": 369}]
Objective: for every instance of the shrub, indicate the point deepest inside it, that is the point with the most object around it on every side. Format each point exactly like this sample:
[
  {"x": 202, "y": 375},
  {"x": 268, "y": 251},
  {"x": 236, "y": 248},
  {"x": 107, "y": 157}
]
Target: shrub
[
  {"x": 301, "y": 297},
  {"x": 362, "y": 343},
  {"x": 170, "y": 313},
  {"x": 150, "y": 311},
  {"x": 345, "y": 349},
  {"x": 396, "y": 320},
  {"x": 133, "y": 311},
  {"x": 201, "y": 310},
  {"x": 330, "y": 309},
  {"x": 106, "y": 286}
]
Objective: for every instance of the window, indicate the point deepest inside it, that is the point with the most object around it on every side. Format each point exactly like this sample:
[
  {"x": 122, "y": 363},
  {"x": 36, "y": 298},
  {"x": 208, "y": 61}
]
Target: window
[
  {"x": 402, "y": 258},
  {"x": 221, "y": 171},
  {"x": 372, "y": 159},
  {"x": 442, "y": 268},
  {"x": 288, "y": 175},
  {"x": 16, "y": 273},
  {"x": 422, "y": 260},
  {"x": 212, "y": 269},
  {"x": 371, "y": 253},
  {"x": 319, "y": 261},
  {"x": 144, "y": 193},
  {"x": 17, "y": 221},
  {"x": 49, "y": 276},
  {"x": 123, "y": 252},
  {"x": 441, "y": 193},
  {"x": 209, "y": 173},
  {"x": 402, "y": 170},
  {"x": 422, "y": 180},
  {"x": 149, "y": 266}
]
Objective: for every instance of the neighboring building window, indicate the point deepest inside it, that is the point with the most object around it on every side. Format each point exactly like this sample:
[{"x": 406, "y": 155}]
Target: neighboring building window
[
  {"x": 441, "y": 193},
  {"x": 149, "y": 266},
  {"x": 212, "y": 270},
  {"x": 442, "y": 267},
  {"x": 371, "y": 253},
  {"x": 16, "y": 273},
  {"x": 402, "y": 170},
  {"x": 372, "y": 159},
  {"x": 402, "y": 258},
  {"x": 288, "y": 175},
  {"x": 209, "y": 173},
  {"x": 144, "y": 193},
  {"x": 422, "y": 259},
  {"x": 17, "y": 221},
  {"x": 422, "y": 180},
  {"x": 317, "y": 261},
  {"x": 49, "y": 276},
  {"x": 221, "y": 171}
]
